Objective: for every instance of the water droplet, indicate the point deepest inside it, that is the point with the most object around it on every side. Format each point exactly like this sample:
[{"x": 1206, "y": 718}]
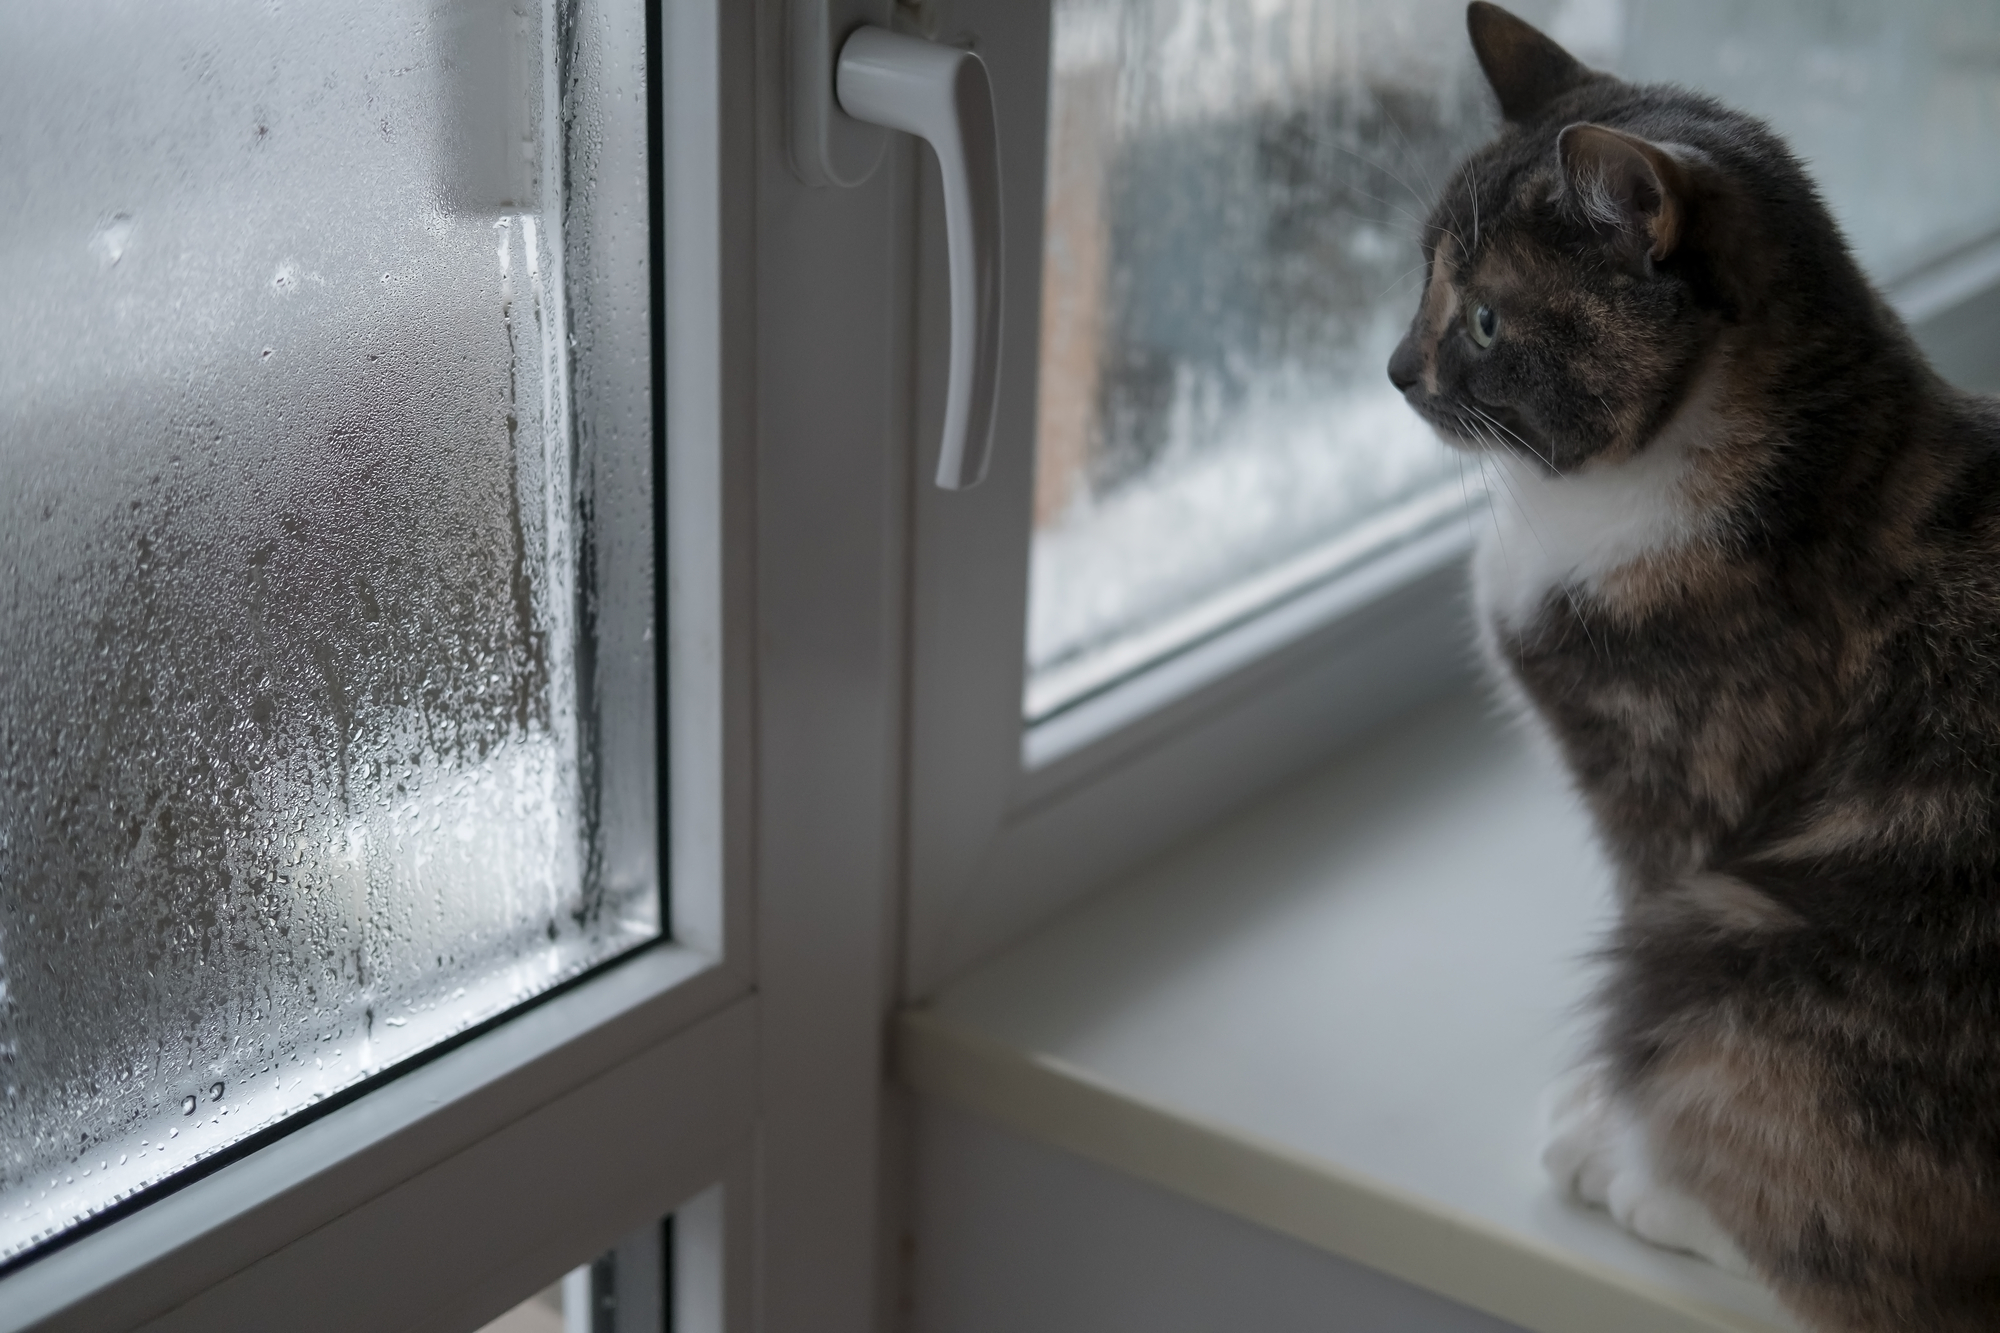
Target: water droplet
[
  {"x": 172, "y": 1133},
  {"x": 187, "y": 1106},
  {"x": 215, "y": 1093},
  {"x": 112, "y": 237}
]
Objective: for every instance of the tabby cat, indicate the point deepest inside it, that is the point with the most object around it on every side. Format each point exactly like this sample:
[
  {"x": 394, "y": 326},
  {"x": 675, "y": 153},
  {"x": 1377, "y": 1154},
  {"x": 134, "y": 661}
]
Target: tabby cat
[{"x": 1746, "y": 574}]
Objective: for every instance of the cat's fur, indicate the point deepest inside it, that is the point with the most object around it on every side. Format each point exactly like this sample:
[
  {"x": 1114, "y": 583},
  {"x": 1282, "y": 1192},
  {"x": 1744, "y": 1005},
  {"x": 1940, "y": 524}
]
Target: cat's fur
[{"x": 1747, "y": 574}]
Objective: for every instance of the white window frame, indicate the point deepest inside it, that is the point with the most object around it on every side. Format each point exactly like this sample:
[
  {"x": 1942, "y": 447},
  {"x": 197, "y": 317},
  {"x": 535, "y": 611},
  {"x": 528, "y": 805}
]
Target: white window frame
[
  {"x": 734, "y": 1071},
  {"x": 844, "y": 651},
  {"x": 1010, "y": 823}
]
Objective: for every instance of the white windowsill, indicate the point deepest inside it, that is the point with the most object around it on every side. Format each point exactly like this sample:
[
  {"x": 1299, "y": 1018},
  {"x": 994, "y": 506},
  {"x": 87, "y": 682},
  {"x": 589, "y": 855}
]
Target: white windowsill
[{"x": 1335, "y": 1016}]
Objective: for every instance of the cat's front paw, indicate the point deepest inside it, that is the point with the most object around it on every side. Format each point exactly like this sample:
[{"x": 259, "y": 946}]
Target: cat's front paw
[
  {"x": 1579, "y": 1148},
  {"x": 1595, "y": 1149}
]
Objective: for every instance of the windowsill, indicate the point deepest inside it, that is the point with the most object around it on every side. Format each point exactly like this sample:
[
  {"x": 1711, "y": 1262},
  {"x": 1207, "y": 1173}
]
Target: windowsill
[{"x": 1334, "y": 1016}]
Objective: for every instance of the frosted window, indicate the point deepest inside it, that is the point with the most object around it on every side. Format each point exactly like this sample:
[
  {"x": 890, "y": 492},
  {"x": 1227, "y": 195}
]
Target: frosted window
[
  {"x": 1233, "y": 193},
  {"x": 301, "y": 631},
  {"x": 1895, "y": 108},
  {"x": 1234, "y": 188}
]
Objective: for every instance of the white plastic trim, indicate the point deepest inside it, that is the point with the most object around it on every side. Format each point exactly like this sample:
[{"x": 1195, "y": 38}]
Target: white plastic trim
[
  {"x": 353, "y": 1164},
  {"x": 942, "y": 95}
]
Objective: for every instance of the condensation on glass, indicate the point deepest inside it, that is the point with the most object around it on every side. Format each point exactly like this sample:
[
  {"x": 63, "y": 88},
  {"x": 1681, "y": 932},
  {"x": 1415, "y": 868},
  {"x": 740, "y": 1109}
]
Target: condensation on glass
[
  {"x": 325, "y": 530},
  {"x": 1233, "y": 194}
]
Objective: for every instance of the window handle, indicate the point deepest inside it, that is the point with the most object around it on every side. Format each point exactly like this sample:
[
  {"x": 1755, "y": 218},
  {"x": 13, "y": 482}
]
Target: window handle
[{"x": 941, "y": 94}]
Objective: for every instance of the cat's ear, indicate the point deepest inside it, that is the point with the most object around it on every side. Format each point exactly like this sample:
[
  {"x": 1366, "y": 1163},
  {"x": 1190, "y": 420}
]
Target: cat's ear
[
  {"x": 1626, "y": 186},
  {"x": 1526, "y": 69}
]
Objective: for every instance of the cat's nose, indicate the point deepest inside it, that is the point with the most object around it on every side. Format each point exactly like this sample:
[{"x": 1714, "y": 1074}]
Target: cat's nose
[{"x": 1406, "y": 366}]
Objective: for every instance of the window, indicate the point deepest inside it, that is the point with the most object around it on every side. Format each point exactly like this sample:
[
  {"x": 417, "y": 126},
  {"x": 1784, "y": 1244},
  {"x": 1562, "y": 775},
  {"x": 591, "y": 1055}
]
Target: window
[
  {"x": 1215, "y": 545},
  {"x": 1233, "y": 196},
  {"x": 552, "y": 546},
  {"x": 842, "y": 652},
  {"x": 1208, "y": 550},
  {"x": 1184, "y": 681},
  {"x": 1229, "y": 254},
  {"x": 328, "y": 527}
]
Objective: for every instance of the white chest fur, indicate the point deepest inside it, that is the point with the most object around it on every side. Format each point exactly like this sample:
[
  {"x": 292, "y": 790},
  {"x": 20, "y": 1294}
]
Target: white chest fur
[{"x": 1568, "y": 532}]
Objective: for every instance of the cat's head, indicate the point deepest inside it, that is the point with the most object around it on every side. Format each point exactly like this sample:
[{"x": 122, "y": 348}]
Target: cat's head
[{"x": 1581, "y": 268}]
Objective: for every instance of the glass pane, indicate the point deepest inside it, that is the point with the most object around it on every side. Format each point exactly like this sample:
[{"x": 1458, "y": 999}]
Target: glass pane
[
  {"x": 1894, "y": 108},
  {"x": 627, "y": 1289},
  {"x": 540, "y": 1313},
  {"x": 1233, "y": 192},
  {"x": 297, "y": 600},
  {"x": 1234, "y": 188}
]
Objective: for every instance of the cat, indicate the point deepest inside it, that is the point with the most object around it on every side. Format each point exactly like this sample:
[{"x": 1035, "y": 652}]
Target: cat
[{"x": 1746, "y": 575}]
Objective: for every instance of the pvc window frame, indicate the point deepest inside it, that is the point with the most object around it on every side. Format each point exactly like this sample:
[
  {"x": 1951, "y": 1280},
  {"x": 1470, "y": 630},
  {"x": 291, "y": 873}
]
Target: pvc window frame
[
  {"x": 463, "y": 1184},
  {"x": 1009, "y": 823}
]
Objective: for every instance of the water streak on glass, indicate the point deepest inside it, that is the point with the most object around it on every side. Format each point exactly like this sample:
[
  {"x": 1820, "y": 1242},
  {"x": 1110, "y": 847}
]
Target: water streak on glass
[
  {"x": 294, "y": 780},
  {"x": 1233, "y": 194},
  {"x": 1234, "y": 189}
]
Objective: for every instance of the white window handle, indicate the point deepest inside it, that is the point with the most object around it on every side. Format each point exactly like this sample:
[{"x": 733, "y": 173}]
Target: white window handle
[{"x": 941, "y": 94}]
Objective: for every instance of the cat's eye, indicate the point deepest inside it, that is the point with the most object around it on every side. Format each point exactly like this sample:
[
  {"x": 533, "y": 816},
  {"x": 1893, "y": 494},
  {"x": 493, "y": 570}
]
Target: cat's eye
[{"x": 1482, "y": 323}]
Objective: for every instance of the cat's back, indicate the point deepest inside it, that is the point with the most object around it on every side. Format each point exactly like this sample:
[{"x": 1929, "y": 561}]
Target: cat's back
[
  {"x": 1932, "y": 544},
  {"x": 1921, "y": 594}
]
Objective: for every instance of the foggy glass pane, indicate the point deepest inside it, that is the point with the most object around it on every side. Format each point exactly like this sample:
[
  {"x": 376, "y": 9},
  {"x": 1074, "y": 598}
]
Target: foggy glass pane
[
  {"x": 1234, "y": 189},
  {"x": 296, "y": 769},
  {"x": 1894, "y": 108}
]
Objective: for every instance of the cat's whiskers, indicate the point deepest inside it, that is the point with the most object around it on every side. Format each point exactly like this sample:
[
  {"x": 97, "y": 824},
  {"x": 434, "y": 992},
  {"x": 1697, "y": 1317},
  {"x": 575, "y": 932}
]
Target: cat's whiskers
[
  {"x": 1430, "y": 185},
  {"x": 1399, "y": 280},
  {"x": 1483, "y": 458},
  {"x": 1499, "y": 534},
  {"x": 1377, "y": 165},
  {"x": 1474, "y": 171},
  {"x": 1527, "y": 516},
  {"x": 1490, "y": 420},
  {"x": 1576, "y": 613},
  {"x": 1492, "y": 513},
  {"x": 1454, "y": 231},
  {"x": 1417, "y": 223},
  {"x": 1464, "y": 491},
  {"x": 1409, "y": 149},
  {"x": 1416, "y": 230}
]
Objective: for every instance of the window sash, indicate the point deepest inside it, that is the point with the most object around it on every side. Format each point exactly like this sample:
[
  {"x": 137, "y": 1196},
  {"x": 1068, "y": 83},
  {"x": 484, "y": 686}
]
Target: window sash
[
  {"x": 529, "y": 1147},
  {"x": 506, "y": 1184},
  {"x": 1010, "y": 821}
]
